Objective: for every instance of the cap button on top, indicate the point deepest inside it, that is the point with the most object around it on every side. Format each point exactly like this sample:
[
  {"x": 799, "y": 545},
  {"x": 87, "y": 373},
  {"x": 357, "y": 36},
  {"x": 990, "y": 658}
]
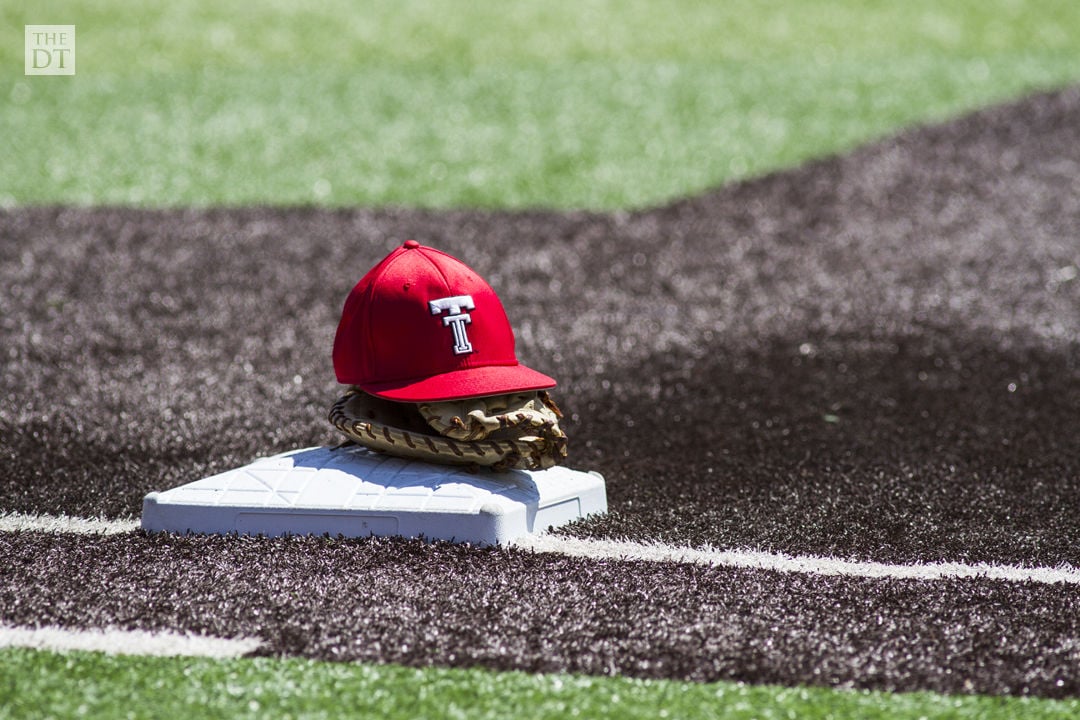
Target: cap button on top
[{"x": 412, "y": 244}]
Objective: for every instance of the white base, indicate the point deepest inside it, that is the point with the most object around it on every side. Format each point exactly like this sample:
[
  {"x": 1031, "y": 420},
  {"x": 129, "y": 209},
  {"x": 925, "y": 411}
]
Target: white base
[{"x": 356, "y": 493}]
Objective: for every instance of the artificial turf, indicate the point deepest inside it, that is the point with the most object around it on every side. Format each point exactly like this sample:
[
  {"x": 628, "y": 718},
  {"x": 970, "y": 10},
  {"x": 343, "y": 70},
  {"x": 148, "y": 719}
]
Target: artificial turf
[
  {"x": 45, "y": 684},
  {"x": 560, "y": 104},
  {"x": 564, "y": 104},
  {"x": 870, "y": 357}
]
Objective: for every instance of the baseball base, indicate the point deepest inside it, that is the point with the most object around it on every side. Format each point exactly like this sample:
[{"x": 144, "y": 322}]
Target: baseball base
[{"x": 355, "y": 492}]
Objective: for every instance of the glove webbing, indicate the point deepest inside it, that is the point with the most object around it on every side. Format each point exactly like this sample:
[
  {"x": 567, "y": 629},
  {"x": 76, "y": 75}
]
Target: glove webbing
[{"x": 504, "y": 454}]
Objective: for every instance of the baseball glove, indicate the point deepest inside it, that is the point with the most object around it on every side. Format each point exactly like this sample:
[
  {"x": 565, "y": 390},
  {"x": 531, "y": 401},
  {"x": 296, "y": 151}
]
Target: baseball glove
[{"x": 504, "y": 432}]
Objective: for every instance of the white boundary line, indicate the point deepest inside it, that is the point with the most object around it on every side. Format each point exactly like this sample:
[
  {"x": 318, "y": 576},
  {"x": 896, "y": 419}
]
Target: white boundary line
[
  {"x": 809, "y": 564},
  {"x": 16, "y": 522},
  {"x": 125, "y": 642},
  {"x": 655, "y": 552}
]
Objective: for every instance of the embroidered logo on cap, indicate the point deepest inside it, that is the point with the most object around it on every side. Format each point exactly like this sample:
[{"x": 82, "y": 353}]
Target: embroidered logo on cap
[{"x": 456, "y": 320}]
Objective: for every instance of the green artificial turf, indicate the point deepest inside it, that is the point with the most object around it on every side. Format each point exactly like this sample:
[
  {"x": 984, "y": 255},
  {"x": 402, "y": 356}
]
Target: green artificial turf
[
  {"x": 563, "y": 103},
  {"x": 45, "y": 684}
]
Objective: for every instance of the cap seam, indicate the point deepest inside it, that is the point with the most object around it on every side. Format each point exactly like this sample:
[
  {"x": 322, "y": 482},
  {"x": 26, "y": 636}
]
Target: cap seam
[
  {"x": 438, "y": 269},
  {"x": 369, "y": 308}
]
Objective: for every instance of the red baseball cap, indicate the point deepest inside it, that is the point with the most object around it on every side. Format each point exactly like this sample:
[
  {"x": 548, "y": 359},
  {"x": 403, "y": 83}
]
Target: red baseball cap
[{"x": 423, "y": 326}]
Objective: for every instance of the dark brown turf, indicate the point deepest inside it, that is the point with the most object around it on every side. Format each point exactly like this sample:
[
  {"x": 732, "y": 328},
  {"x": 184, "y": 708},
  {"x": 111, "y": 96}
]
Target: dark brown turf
[
  {"x": 874, "y": 356},
  {"x": 417, "y": 604}
]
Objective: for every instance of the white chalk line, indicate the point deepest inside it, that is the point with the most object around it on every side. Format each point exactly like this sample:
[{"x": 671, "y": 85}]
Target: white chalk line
[
  {"x": 23, "y": 522},
  {"x": 808, "y": 564},
  {"x": 656, "y": 552},
  {"x": 125, "y": 642}
]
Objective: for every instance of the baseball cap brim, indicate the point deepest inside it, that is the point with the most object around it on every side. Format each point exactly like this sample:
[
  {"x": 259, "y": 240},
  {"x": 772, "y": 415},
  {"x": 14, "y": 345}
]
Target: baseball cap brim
[{"x": 470, "y": 382}]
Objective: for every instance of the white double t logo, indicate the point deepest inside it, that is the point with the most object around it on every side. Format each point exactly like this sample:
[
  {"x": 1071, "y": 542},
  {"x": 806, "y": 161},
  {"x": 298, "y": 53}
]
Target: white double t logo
[{"x": 456, "y": 319}]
